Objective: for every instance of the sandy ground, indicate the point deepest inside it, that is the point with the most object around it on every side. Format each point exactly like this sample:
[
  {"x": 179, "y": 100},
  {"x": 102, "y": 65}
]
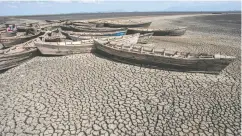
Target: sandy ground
[{"x": 89, "y": 95}]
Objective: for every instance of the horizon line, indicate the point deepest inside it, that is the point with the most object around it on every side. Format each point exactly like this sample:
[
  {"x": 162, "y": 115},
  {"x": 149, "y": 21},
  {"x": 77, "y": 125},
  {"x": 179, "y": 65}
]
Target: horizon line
[{"x": 231, "y": 11}]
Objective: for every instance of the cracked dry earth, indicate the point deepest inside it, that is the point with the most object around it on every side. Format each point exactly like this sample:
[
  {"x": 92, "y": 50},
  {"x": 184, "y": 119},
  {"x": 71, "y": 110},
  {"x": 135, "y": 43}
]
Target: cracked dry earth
[{"x": 90, "y": 95}]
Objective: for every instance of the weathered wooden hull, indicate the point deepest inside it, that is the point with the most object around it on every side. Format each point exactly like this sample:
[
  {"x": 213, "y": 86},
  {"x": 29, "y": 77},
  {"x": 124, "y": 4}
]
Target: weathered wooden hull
[
  {"x": 167, "y": 32},
  {"x": 114, "y": 25},
  {"x": 58, "y": 50},
  {"x": 94, "y": 29},
  {"x": 144, "y": 38},
  {"x": 13, "y": 60},
  {"x": 67, "y": 48},
  {"x": 118, "y": 33},
  {"x": 84, "y": 24},
  {"x": 24, "y": 28},
  {"x": 11, "y": 42},
  {"x": 212, "y": 66}
]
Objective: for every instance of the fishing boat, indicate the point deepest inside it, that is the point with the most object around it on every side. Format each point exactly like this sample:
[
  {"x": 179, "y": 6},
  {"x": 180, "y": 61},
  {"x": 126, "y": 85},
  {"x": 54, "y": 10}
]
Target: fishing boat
[
  {"x": 24, "y": 28},
  {"x": 71, "y": 47},
  {"x": 90, "y": 29},
  {"x": 143, "y": 38},
  {"x": 83, "y": 24},
  {"x": 159, "y": 32},
  {"x": 53, "y": 21},
  {"x": 70, "y": 34},
  {"x": 98, "y": 23},
  {"x": 53, "y": 36},
  {"x": 128, "y": 24},
  {"x": 9, "y": 39},
  {"x": 172, "y": 60},
  {"x": 17, "y": 54}
]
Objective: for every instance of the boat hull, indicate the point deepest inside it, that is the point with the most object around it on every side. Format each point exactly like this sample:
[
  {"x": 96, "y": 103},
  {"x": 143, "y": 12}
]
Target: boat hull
[
  {"x": 11, "y": 42},
  {"x": 169, "y": 32},
  {"x": 113, "y": 25},
  {"x": 144, "y": 38},
  {"x": 58, "y": 50},
  {"x": 13, "y": 60},
  {"x": 86, "y": 29},
  {"x": 212, "y": 66},
  {"x": 75, "y": 37}
]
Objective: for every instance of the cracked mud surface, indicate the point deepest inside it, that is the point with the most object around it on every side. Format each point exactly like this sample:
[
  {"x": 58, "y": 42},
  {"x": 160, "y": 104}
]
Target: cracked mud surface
[{"x": 90, "y": 95}]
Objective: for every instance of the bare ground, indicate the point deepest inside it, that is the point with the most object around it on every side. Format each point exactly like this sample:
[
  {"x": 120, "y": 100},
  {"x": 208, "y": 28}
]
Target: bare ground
[{"x": 90, "y": 95}]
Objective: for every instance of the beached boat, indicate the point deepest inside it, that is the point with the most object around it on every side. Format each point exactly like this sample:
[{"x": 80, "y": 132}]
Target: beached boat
[
  {"x": 72, "y": 47},
  {"x": 91, "y": 29},
  {"x": 53, "y": 36},
  {"x": 65, "y": 48},
  {"x": 128, "y": 24},
  {"x": 17, "y": 54},
  {"x": 83, "y": 24},
  {"x": 172, "y": 60},
  {"x": 52, "y": 25},
  {"x": 98, "y": 23},
  {"x": 9, "y": 39},
  {"x": 24, "y": 28},
  {"x": 143, "y": 38},
  {"x": 159, "y": 32},
  {"x": 117, "y": 33},
  {"x": 53, "y": 21}
]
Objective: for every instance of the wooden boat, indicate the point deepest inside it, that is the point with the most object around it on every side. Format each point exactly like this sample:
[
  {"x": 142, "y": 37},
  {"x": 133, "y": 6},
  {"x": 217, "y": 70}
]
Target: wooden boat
[
  {"x": 143, "y": 38},
  {"x": 90, "y": 29},
  {"x": 24, "y": 28},
  {"x": 72, "y": 47},
  {"x": 67, "y": 28},
  {"x": 17, "y": 54},
  {"x": 16, "y": 38},
  {"x": 98, "y": 23},
  {"x": 117, "y": 33},
  {"x": 44, "y": 26},
  {"x": 53, "y": 21},
  {"x": 159, "y": 32},
  {"x": 83, "y": 24},
  {"x": 172, "y": 60},
  {"x": 53, "y": 36},
  {"x": 129, "y": 24}
]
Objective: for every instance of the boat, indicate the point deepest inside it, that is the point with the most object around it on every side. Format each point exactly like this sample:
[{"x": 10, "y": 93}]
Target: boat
[
  {"x": 71, "y": 47},
  {"x": 48, "y": 26},
  {"x": 167, "y": 59},
  {"x": 53, "y": 21},
  {"x": 128, "y": 24},
  {"x": 98, "y": 23},
  {"x": 24, "y": 28},
  {"x": 159, "y": 32},
  {"x": 143, "y": 38},
  {"x": 53, "y": 36},
  {"x": 83, "y": 24},
  {"x": 90, "y": 29},
  {"x": 17, "y": 54},
  {"x": 117, "y": 33},
  {"x": 9, "y": 39},
  {"x": 67, "y": 28}
]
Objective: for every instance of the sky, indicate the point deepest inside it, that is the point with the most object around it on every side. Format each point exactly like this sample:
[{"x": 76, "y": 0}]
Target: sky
[{"x": 8, "y": 8}]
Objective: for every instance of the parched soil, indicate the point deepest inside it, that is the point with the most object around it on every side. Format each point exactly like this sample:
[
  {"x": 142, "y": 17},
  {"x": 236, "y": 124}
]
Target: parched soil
[{"x": 87, "y": 94}]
